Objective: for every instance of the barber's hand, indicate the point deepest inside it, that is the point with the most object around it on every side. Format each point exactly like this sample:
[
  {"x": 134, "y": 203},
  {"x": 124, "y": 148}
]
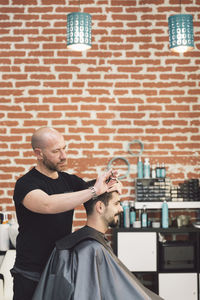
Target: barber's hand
[
  {"x": 115, "y": 185},
  {"x": 107, "y": 182}
]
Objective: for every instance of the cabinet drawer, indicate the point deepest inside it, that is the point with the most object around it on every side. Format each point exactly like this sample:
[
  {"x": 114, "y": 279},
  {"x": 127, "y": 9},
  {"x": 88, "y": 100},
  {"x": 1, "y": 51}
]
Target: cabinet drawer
[
  {"x": 137, "y": 250},
  {"x": 182, "y": 286}
]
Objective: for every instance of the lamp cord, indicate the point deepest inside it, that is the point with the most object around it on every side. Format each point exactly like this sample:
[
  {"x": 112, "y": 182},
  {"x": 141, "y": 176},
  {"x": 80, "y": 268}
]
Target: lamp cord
[{"x": 180, "y": 6}]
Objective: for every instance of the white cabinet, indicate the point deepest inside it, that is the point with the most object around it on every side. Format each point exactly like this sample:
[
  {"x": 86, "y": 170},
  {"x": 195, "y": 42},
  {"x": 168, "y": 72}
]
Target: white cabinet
[
  {"x": 178, "y": 286},
  {"x": 138, "y": 251},
  {"x": 142, "y": 252}
]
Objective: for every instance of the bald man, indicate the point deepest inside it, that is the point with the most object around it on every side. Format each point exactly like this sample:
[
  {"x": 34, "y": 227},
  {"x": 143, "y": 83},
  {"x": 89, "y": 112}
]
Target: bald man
[{"x": 45, "y": 199}]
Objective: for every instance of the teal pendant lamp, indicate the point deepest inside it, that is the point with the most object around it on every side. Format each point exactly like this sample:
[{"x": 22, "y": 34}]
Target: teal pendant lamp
[
  {"x": 181, "y": 37},
  {"x": 79, "y": 31}
]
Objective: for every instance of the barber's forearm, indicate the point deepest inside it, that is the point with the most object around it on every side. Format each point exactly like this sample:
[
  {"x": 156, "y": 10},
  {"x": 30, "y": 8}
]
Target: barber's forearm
[
  {"x": 68, "y": 201},
  {"x": 40, "y": 202}
]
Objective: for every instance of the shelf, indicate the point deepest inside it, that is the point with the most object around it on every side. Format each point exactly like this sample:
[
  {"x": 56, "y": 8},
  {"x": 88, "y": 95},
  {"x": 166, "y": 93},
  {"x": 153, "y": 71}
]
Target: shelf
[
  {"x": 171, "y": 205},
  {"x": 183, "y": 229}
]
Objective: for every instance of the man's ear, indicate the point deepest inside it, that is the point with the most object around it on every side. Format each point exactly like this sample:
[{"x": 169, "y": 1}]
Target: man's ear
[
  {"x": 100, "y": 207},
  {"x": 38, "y": 153}
]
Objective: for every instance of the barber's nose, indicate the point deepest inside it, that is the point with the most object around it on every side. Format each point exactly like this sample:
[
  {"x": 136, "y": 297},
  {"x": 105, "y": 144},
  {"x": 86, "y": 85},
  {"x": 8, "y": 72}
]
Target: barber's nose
[
  {"x": 121, "y": 208},
  {"x": 63, "y": 154}
]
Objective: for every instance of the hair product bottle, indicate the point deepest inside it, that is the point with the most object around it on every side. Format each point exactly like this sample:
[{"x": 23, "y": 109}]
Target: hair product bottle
[
  {"x": 157, "y": 170},
  {"x": 132, "y": 213},
  {"x": 146, "y": 168},
  {"x": 144, "y": 217},
  {"x": 140, "y": 168},
  {"x": 165, "y": 215},
  {"x": 163, "y": 171},
  {"x": 126, "y": 210}
]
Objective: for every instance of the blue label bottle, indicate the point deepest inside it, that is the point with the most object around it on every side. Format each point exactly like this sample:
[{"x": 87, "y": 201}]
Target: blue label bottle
[
  {"x": 132, "y": 213},
  {"x": 126, "y": 211},
  {"x": 144, "y": 217},
  {"x": 163, "y": 171},
  {"x": 165, "y": 215},
  {"x": 140, "y": 168},
  {"x": 158, "y": 175}
]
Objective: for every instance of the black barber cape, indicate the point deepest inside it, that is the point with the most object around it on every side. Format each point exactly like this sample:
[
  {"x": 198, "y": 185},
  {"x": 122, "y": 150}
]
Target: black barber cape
[{"x": 83, "y": 267}]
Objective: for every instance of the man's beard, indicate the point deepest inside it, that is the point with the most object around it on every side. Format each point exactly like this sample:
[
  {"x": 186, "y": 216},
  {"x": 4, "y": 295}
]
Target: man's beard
[
  {"x": 51, "y": 166},
  {"x": 113, "y": 223}
]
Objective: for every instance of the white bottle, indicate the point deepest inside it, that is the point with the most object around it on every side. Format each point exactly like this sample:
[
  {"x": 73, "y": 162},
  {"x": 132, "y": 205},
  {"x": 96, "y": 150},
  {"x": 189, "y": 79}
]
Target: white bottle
[
  {"x": 4, "y": 237},
  {"x": 153, "y": 172},
  {"x": 146, "y": 168}
]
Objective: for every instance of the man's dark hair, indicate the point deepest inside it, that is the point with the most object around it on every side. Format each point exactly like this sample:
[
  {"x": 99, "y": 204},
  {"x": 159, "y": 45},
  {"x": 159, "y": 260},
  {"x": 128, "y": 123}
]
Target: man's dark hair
[{"x": 105, "y": 198}]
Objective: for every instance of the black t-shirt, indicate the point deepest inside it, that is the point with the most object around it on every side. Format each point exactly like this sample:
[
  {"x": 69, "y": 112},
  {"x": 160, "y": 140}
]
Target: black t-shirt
[{"x": 39, "y": 232}]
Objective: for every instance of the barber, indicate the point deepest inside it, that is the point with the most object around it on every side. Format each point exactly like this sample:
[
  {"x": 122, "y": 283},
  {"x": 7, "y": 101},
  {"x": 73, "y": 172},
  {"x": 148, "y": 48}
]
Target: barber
[{"x": 45, "y": 198}]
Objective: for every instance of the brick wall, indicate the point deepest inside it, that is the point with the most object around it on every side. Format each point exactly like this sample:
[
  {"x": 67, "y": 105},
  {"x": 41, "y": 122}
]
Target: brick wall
[{"x": 128, "y": 86}]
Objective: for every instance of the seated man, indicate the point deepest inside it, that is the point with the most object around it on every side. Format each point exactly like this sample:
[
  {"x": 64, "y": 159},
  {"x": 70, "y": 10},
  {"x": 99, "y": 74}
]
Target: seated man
[{"x": 83, "y": 265}]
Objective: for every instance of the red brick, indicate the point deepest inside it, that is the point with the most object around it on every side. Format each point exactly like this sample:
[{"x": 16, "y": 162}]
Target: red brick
[
  {"x": 55, "y": 100},
  {"x": 132, "y": 115},
  {"x": 174, "y": 138},
  {"x": 152, "y": 46},
  {"x": 41, "y": 53},
  {"x": 35, "y": 123},
  {"x": 124, "y": 17},
  {"x": 48, "y": 115},
  {"x": 24, "y": 2},
  {"x": 37, "y": 69},
  {"x": 25, "y": 161},
  {"x": 120, "y": 47},
  {"x": 10, "y": 138},
  {"x": 5, "y": 61},
  {"x": 94, "y": 122},
  {"x": 6, "y": 85},
  {"x": 10, "y": 24},
  {"x": 123, "y": 3},
  {"x": 26, "y": 61},
  {"x": 139, "y": 39},
  {"x": 64, "y": 123},
  {"x": 26, "y": 17},
  {"x": 5, "y": 46},
  {"x": 42, "y": 77},
  {"x": 67, "y": 69},
  {"x": 27, "y": 83},
  {"x": 5, "y": 177},
  {"x": 177, "y": 107},
  {"x": 40, "y": 92},
  {"x": 26, "y": 46},
  {"x": 81, "y": 130},
  {"x": 65, "y": 107},
  {"x": 11, "y": 53},
  {"x": 98, "y": 92},
  {"x": 12, "y": 169}
]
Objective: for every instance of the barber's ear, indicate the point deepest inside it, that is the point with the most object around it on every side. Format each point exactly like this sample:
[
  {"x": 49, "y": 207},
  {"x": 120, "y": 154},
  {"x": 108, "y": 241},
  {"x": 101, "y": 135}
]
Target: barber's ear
[
  {"x": 38, "y": 153},
  {"x": 100, "y": 207}
]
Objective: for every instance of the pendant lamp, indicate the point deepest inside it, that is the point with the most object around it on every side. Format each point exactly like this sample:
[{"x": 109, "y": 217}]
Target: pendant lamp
[
  {"x": 181, "y": 38},
  {"x": 79, "y": 31}
]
